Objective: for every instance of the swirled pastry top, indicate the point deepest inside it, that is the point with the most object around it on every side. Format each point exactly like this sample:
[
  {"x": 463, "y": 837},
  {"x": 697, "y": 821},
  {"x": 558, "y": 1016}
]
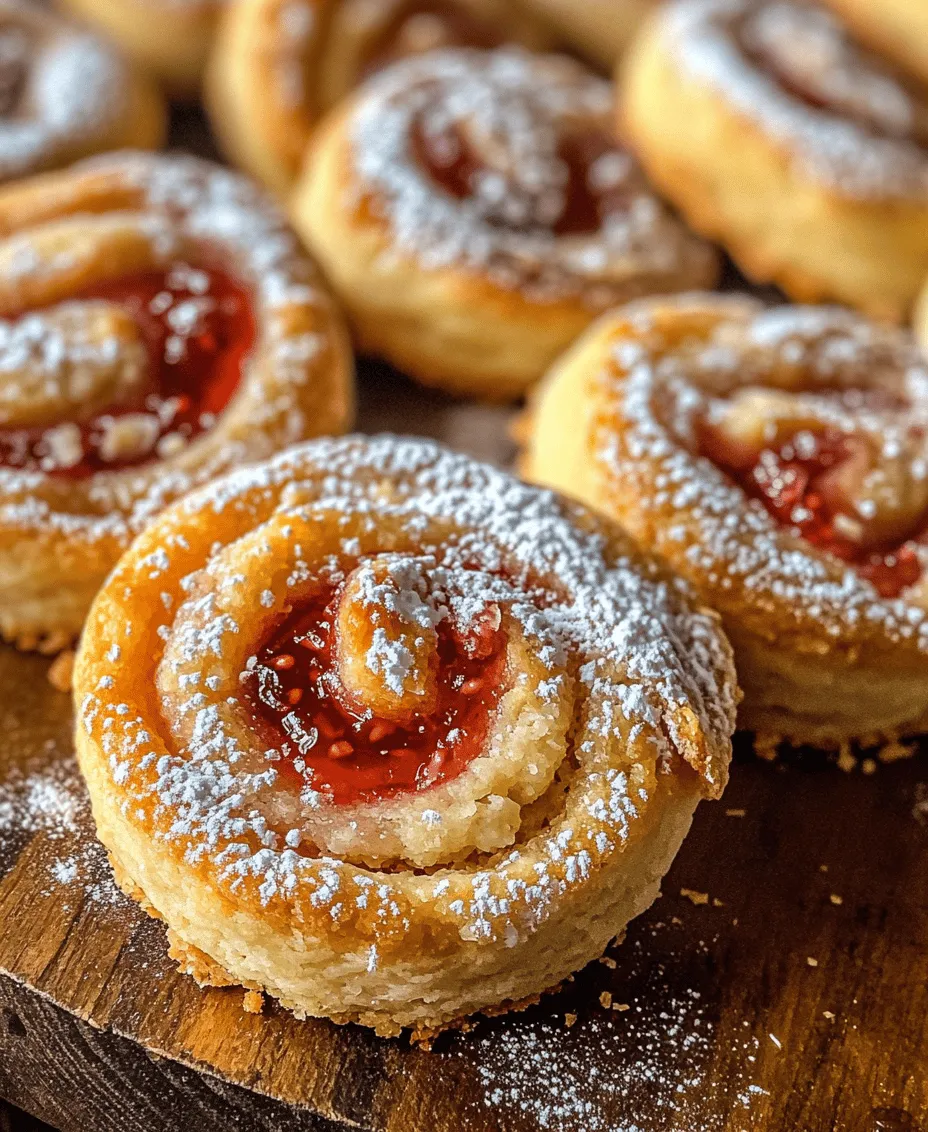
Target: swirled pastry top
[
  {"x": 64, "y": 93},
  {"x": 788, "y": 453},
  {"x": 410, "y": 581},
  {"x": 855, "y": 123},
  {"x": 159, "y": 324},
  {"x": 505, "y": 162}
]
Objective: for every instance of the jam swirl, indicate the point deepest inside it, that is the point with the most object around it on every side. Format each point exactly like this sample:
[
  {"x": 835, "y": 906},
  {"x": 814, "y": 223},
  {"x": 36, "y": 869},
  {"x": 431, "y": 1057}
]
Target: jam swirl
[
  {"x": 196, "y": 327},
  {"x": 348, "y": 754},
  {"x": 791, "y": 482}
]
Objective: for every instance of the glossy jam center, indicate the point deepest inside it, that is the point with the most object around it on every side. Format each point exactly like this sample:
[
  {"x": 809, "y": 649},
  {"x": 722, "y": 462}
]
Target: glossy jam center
[
  {"x": 197, "y": 328},
  {"x": 294, "y": 696},
  {"x": 455, "y": 166},
  {"x": 787, "y": 480}
]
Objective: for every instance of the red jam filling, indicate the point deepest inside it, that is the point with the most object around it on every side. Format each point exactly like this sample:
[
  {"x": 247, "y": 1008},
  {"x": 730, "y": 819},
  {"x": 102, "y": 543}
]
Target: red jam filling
[
  {"x": 425, "y": 26},
  {"x": 453, "y": 164},
  {"x": 789, "y": 484},
  {"x": 197, "y": 327},
  {"x": 329, "y": 746}
]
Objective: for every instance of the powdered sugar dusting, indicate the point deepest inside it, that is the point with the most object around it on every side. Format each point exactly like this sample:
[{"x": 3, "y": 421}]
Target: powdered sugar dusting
[
  {"x": 795, "y": 71},
  {"x": 643, "y": 658},
  {"x": 61, "y": 90},
  {"x": 663, "y": 391},
  {"x": 184, "y": 203},
  {"x": 514, "y": 110}
]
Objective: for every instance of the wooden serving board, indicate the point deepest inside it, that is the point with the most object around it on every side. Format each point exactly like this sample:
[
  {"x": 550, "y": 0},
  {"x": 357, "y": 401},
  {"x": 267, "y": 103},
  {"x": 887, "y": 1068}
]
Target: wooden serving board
[{"x": 781, "y": 983}]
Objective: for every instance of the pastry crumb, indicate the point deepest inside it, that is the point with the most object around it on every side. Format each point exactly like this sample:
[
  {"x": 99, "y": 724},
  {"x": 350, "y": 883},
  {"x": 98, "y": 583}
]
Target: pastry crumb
[
  {"x": 828, "y": 1014},
  {"x": 836, "y": 899},
  {"x": 695, "y": 897},
  {"x": 811, "y": 962},
  {"x": 61, "y": 671},
  {"x": 735, "y": 813},
  {"x": 569, "y": 1020},
  {"x": 253, "y": 1002},
  {"x": 621, "y": 1007},
  {"x": 846, "y": 760},
  {"x": 607, "y": 962},
  {"x": 605, "y": 999}
]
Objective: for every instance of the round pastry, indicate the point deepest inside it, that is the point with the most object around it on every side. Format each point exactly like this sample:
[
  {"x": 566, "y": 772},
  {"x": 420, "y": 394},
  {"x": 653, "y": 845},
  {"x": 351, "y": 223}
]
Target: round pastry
[
  {"x": 803, "y": 154},
  {"x": 391, "y": 736},
  {"x": 600, "y": 29},
  {"x": 65, "y": 94},
  {"x": 778, "y": 459},
  {"x": 278, "y": 65},
  {"x": 474, "y": 213},
  {"x": 159, "y": 325},
  {"x": 897, "y": 29},
  {"x": 168, "y": 38}
]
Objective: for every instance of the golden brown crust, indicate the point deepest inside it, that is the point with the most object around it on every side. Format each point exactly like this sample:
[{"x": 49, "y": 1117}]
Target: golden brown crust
[
  {"x": 170, "y": 39},
  {"x": 827, "y": 203},
  {"x": 102, "y": 219},
  {"x": 821, "y": 656},
  {"x": 288, "y": 890},
  {"x": 479, "y": 292},
  {"x": 279, "y": 65}
]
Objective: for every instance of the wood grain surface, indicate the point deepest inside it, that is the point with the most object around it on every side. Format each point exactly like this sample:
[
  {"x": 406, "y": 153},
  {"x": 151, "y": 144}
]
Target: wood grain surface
[{"x": 780, "y": 983}]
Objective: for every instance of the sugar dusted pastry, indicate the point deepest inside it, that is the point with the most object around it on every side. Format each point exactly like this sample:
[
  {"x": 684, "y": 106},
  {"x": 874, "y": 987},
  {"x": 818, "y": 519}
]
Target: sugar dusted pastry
[
  {"x": 897, "y": 29},
  {"x": 599, "y": 29},
  {"x": 65, "y": 94},
  {"x": 159, "y": 325},
  {"x": 806, "y": 156},
  {"x": 778, "y": 459},
  {"x": 391, "y": 736},
  {"x": 168, "y": 38},
  {"x": 278, "y": 65},
  {"x": 474, "y": 212}
]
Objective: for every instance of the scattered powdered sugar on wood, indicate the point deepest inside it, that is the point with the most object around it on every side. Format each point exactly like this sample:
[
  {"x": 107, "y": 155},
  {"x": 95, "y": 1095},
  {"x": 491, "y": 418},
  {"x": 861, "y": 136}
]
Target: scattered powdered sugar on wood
[
  {"x": 794, "y": 71},
  {"x": 653, "y": 1066},
  {"x": 514, "y": 111}
]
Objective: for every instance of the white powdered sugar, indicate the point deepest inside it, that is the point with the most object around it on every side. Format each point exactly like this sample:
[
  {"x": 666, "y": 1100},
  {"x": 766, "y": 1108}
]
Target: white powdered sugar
[
  {"x": 640, "y": 652},
  {"x": 664, "y": 393},
  {"x": 183, "y": 205},
  {"x": 794, "y": 70},
  {"x": 513, "y": 112},
  {"x": 61, "y": 90}
]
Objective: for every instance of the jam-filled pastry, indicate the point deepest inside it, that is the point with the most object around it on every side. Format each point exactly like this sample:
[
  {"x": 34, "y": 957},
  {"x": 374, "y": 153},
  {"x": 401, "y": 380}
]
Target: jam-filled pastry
[
  {"x": 278, "y": 65},
  {"x": 806, "y": 156},
  {"x": 897, "y": 29},
  {"x": 599, "y": 29},
  {"x": 778, "y": 459},
  {"x": 474, "y": 212},
  {"x": 159, "y": 325},
  {"x": 170, "y": 39},
  {"x": 391, "y": 736},
  {"x": 65, "y": 94}
]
